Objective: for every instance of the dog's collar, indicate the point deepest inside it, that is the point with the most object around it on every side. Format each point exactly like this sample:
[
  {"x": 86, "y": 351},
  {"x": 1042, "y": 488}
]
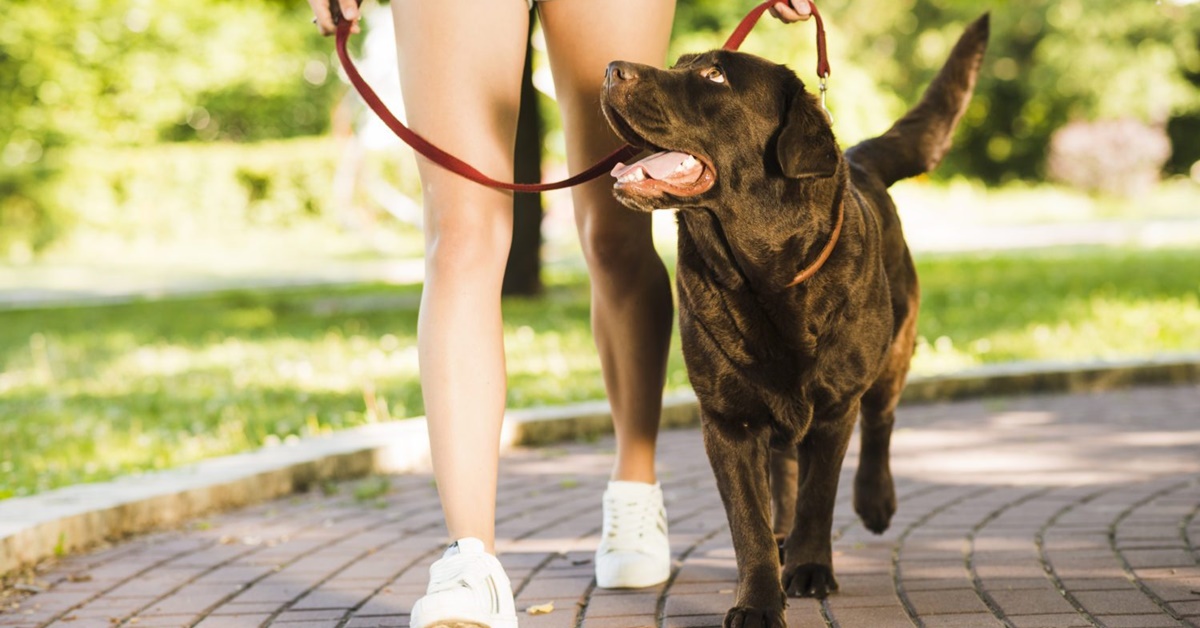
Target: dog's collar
[{"x": 812, "y": 268}]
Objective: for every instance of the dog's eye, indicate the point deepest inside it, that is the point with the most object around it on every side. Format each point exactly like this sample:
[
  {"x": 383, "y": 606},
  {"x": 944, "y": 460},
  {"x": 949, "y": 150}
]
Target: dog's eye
[{"x": 714, "y": 74}]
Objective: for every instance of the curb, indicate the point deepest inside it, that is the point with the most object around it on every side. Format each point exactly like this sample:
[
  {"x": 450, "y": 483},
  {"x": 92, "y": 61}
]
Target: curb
[{"x": 75, "y": 518}]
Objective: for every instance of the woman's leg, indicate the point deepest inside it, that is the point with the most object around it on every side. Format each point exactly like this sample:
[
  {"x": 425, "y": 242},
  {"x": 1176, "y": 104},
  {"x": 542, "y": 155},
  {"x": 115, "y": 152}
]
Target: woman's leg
[
  {"x": 631, "y": 297},
  {"x": 460, "y": 69}
]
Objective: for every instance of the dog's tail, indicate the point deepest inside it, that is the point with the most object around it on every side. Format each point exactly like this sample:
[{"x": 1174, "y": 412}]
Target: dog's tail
[{"x": 918, "y": 141}]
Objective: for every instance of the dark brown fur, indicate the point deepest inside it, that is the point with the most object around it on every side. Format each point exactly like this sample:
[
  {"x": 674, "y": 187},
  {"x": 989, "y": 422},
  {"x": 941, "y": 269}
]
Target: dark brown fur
[{"x": 783, "y": 373}]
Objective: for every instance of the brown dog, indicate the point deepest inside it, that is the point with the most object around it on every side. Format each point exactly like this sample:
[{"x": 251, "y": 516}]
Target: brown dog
[{"x": 797, "y": 295}]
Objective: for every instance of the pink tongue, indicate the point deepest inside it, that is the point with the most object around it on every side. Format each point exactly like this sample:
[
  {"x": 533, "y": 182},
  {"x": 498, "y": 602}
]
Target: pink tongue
[{"x": 657, "y": 166}]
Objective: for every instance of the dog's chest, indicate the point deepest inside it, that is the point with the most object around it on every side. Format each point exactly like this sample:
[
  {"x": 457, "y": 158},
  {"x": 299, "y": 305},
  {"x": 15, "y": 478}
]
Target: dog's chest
[{"x": 812, "y": 346}]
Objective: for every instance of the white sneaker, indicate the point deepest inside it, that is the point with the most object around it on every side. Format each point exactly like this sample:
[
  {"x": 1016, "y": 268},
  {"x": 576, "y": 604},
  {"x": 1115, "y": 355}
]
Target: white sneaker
[
  {"x": 467, "y": 589},
  {"x": 634, "y": 551}
]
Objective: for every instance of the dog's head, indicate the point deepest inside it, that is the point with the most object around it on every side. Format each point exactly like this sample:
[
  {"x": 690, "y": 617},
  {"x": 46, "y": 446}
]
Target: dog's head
[{"x": 709, "y": 121}]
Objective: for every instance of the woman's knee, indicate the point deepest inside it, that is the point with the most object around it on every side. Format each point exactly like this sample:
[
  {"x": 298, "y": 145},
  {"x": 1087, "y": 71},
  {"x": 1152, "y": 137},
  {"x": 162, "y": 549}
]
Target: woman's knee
[
  {"x": 617, "y": 249},
  {"x": 466, "y": 246}
]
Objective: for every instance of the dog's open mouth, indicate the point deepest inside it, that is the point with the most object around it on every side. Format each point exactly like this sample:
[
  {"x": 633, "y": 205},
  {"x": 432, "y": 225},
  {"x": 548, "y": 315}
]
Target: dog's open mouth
[{"x": 666, "y": 171}]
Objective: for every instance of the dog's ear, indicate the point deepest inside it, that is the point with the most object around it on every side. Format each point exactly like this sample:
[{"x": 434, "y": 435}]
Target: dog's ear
[{"x": 806, "y": 147}]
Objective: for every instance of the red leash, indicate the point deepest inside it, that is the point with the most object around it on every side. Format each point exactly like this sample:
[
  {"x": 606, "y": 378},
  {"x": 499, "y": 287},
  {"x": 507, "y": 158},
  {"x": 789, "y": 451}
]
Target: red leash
[
  {"x": 743, "y": 28},
  {"x": 460, "y": 167}
]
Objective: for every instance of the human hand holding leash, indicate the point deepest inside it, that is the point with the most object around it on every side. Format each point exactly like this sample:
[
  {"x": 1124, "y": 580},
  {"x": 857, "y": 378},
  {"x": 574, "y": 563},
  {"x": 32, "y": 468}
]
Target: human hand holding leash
[
  {"x": 791, "y": 11},
  {"x": 329, "y": 12}
]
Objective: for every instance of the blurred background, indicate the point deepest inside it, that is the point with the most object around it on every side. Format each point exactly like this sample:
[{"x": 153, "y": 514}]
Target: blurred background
[{"x": 208, "y": 245}]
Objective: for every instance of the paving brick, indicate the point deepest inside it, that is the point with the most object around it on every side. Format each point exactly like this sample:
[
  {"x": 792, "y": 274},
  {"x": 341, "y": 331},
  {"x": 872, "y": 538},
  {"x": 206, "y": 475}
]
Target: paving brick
[
  {"x": 695, "y": 621},
  {"x": 1117, "y": 602},
  {"x": 616, "y": 605},
  {"x": 966, "y": 620},
  {"x": 699, "y": 604},
  {"x": 1137, "y": 621},
  {"x": 625, "y": 621},
  {"x": 1057, "y": 620},
  {"x": 232, "y": 621},
  {"x": 253, "y": 608},
  {"x": 162, "y": 621},
  {"x": 880, "y": 617},
  {"x": 954, "y": 601},
  {"x": 310, "y": 616},
  {"x": 397, "y": 621},
  {"x": 1031, "y": 602}
]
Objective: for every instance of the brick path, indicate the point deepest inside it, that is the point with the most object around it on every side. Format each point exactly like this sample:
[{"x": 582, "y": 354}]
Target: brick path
[{"x": 1052, "y": 511}]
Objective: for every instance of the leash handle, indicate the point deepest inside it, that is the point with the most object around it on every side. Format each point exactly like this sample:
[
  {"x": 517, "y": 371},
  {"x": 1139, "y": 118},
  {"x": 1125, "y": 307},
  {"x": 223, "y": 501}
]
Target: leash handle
[{"x": 743, "y": 28}]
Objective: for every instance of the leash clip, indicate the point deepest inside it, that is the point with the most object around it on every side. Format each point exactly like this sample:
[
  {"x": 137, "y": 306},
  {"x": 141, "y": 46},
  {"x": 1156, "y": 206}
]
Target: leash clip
[{"x": 824, "y": 87}]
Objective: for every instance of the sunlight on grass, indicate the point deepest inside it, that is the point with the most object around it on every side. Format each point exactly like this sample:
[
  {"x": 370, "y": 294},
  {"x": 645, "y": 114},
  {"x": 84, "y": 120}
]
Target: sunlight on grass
[
  {"x": 1056, "y": 305},
  {"x": 90, "y": 393}
]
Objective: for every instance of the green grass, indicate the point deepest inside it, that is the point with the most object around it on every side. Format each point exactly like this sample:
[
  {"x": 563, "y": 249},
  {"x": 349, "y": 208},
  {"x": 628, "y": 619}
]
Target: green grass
[
  {"x": 1057, "y": 304},
  {"x": 90, "y": 393}
]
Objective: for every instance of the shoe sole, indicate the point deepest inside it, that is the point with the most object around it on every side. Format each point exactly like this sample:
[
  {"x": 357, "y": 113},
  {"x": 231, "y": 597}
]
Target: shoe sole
[
  {"x": 643, "y": 583},
  {"x": 470, "y": 623}
]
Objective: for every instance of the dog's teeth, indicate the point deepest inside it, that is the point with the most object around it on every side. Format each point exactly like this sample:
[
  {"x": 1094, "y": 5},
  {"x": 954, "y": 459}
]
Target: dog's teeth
[
  {"x": 633, "y": 177},
  {"x": 686, "y": 164}
]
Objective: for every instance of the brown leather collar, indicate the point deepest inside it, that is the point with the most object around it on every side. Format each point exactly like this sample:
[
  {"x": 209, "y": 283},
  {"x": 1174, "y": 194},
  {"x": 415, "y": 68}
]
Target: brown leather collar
[{"x": 812, "y": 268}]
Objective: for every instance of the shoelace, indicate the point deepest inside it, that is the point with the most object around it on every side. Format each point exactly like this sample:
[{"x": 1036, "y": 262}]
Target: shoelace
[
  {"x": 628, "y": 521},
  {"x": 455, "y": 572}
]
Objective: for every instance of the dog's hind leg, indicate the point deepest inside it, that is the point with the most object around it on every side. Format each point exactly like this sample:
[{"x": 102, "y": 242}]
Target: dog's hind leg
[
  {"x": 808, "y": 552},
  {"x": 739, "y": 461},
  {"x": 874, "y": 489}
]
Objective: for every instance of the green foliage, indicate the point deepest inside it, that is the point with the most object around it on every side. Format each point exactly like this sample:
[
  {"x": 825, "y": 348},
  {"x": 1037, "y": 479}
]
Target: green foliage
[
  {"x": 123, "y": 71},
  {"x": 129, "y": 72},
  {"x": 181, "y": 198},
  {"x": 205, "y": 189},
  {"x": 28, "y": 222},
  {"x": 372, "y": 488},
  {"x": 1049, "y": 62}
]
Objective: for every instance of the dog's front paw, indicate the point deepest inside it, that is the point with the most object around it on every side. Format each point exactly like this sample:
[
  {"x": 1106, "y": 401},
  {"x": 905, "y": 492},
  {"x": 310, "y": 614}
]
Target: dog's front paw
[
  {"x": 875, "y": 501},
  {"x": 809, "y": 580},
  {"x": 746, "y": 617}
]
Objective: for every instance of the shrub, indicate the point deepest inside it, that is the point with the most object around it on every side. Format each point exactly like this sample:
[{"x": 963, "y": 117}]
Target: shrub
[
  {"x": 1122, "y": 157},
  {"x": 178, "y": 191}
]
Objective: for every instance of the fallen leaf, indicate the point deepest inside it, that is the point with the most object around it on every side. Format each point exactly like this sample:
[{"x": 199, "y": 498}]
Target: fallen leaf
[
  {"x": 79, "y": 577},
  {"x": 544, "y": 609}
]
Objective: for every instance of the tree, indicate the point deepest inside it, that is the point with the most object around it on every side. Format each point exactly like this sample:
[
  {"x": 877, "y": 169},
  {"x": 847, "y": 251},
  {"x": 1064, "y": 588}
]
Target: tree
[{"x": 522, "y": 276}]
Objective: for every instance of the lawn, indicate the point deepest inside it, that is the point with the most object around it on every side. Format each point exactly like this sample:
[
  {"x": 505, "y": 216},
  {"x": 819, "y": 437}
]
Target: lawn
[{"x": 90, "y": 393}]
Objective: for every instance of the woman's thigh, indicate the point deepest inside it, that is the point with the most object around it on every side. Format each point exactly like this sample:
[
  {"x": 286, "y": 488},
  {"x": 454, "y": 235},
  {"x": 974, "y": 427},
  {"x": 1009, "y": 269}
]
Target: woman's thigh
[
  {"x": 460, "y": 72},
  {"x": 583, "y": 37}
]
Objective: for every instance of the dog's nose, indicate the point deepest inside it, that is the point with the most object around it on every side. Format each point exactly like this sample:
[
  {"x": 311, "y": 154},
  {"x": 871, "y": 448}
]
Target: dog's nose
[{"x": 621, "y": 71}]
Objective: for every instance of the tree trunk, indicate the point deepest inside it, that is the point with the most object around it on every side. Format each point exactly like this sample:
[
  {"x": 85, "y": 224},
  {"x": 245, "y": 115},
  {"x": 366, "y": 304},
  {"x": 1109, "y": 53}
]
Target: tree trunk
[{"x": 522, "y": 276}]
